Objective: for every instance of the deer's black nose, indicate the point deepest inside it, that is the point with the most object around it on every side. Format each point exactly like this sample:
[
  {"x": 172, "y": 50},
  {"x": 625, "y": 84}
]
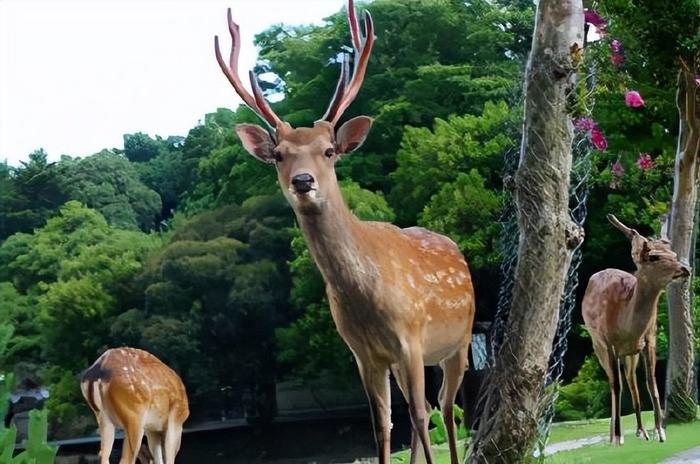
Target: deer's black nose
[{"x": 302, "y": 182}]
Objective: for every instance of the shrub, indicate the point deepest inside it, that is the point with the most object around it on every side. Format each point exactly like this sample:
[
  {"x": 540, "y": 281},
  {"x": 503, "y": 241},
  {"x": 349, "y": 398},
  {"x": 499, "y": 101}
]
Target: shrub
[{"x": 587, "y": 396}]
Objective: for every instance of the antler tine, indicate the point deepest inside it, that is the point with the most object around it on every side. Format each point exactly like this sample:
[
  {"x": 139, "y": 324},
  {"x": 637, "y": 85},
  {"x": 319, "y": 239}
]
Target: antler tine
[
  {"x": 339, "y": 89},
  {"x": 629, "y": 232},
  {"x": 263, "y": 107},
  {"x": 257, "y": 103},
  {"x": 354, "y": 26},
  {"x": 363, "y": 48}
]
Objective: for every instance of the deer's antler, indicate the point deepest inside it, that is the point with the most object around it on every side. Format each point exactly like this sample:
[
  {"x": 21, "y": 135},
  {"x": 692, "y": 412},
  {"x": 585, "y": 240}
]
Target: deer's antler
[
  {"x": 256, "y": 102},
  {"x": 628, "y": 231},
  {"x": 346, "y": 92}
]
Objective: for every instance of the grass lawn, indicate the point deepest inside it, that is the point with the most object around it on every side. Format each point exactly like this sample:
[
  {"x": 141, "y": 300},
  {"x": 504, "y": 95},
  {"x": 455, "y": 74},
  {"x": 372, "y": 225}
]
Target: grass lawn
[{"x": 680, "y": 437}]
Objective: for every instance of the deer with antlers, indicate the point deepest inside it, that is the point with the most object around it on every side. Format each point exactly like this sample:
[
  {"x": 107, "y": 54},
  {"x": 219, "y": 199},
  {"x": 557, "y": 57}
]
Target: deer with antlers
[
  {"x": 400, "y": 298},
  {"x": 132, "y": 389},
  {"x": 619, "y": 311}
]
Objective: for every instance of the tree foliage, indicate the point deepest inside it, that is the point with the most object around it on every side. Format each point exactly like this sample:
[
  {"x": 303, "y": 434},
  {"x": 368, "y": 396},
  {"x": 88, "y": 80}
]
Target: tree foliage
[{"x": 184, "y": 245}]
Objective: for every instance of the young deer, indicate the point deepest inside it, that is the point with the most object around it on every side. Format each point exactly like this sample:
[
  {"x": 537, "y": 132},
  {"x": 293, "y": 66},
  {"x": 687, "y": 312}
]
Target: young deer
[
  {"x": 400, "y": 298},
  {"x": 619, "y": 310},
  {"x": 134, "y": 390}
]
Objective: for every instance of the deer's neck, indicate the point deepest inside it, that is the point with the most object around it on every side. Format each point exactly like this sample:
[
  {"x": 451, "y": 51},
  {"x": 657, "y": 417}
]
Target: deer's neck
[
  {"x": 334, "y": 238},
  {"x": 643, "y": 304}
]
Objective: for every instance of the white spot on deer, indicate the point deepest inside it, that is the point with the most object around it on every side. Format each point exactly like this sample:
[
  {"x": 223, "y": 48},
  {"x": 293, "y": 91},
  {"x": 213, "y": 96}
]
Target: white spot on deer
[
  {"x": 431, "y": 278},
  {"x": 452, "y": 270},
  {"x": 411, "y": 282}
]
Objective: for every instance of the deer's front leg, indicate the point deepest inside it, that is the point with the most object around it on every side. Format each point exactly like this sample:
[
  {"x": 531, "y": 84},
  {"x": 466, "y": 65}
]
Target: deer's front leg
[
  {"x": 615, "y": 379},
  {"x": 376, "y": 382},
  {"x": 412, "y": 368},
  {"x": 631, "y": 375},
  {"x": 649, "y": 355}
]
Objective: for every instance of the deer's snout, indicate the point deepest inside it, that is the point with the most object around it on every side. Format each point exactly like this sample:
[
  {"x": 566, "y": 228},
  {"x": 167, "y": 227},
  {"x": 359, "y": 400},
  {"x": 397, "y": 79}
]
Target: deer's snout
[{"x": 303, "y": 183}]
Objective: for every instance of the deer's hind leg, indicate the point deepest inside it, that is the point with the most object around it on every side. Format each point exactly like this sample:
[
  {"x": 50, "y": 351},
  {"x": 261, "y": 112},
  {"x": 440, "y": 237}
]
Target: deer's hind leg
[
  {"x": 173, "y": 439},
  {"x": 453, "y": 373},
  {"x": 106, "y": 436},
  {"x": 155, "y": 448}
]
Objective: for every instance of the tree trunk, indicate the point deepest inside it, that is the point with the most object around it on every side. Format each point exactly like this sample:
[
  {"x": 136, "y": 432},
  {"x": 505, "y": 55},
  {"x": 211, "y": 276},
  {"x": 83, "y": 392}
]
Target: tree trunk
[
  {"x": 514, "y": 389},
  {"x": 680, "y": 385}
]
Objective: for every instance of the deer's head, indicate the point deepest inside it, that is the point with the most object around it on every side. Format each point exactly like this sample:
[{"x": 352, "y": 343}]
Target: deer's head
[
  {"x": 652, "y": 255},
  {"x": 305, "y": 157}
]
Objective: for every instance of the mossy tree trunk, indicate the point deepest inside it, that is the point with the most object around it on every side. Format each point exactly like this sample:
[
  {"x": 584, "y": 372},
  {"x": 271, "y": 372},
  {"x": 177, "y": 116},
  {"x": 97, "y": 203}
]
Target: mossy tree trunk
[
  {"x": 681, "y": 392},
  {"x": 508, "y": 426}
]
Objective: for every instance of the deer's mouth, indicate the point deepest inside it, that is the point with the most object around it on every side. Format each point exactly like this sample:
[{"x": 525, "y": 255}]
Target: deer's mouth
[{"x": 309, "y": 192}]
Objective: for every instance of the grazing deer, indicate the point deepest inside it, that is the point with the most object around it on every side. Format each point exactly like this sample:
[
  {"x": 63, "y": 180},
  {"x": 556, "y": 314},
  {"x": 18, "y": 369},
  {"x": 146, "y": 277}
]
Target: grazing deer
[
  {"x": 619, "y": 310},
  {"x": 134, "y": 390},
  {"x": 400, "y": 298}
]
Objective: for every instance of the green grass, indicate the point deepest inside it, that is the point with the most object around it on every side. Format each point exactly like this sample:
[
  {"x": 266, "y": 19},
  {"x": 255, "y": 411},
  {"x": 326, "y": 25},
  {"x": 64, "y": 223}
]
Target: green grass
[{"x": 680, "y": 437}]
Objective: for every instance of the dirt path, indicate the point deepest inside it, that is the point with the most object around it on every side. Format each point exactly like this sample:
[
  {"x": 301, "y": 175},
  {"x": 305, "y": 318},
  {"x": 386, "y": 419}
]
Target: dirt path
[{"x": 685, "y": 457}]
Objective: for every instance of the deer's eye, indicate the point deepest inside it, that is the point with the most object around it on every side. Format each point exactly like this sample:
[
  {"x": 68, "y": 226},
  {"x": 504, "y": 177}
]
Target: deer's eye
[
  {"x": 277, "y": 155},
  {"x": 329, "y": 152},
  {"x": 654, "y": 257}
]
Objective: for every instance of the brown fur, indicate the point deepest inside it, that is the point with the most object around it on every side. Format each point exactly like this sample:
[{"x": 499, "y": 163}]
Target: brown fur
[
  {"x": 619, "y": 311},
  {"x": 132, "y": 389},
  {"x": 400, "y": 298}
]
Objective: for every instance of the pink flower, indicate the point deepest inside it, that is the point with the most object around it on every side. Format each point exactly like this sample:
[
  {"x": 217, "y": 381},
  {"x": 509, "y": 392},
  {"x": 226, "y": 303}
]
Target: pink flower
[
  {"x": 617, "y": 60},
  {"x": 592, "y": 17},
  {"x": 644, "y": 162},
  {"x": 633, "y": 99},
  {"x": 585, "y": 124},
  {"x": 598, "y": 139},
  {"x": 617, "y": 169},
  {"x": 697, "y": 81},
  {"x": 616, "y": 46}
]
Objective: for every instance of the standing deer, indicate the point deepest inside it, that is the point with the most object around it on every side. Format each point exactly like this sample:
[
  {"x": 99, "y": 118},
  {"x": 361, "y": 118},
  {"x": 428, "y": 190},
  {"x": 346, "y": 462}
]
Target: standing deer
[
  {"x": 134, "y": 390},
  {"x": 400, "y": 298},
  {"x": 619, "y": 310}
]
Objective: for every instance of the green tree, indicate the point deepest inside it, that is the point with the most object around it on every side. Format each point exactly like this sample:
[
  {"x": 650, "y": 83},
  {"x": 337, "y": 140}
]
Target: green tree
[
  {"x": 29, "y": 194},
  {"x": 109, "y": 183},
  {"x": 431, "y": 59},
  {"x": 139, "y": 147},
  {"x": 63, "y": 286},
  {"x": 220, "y": 289}
]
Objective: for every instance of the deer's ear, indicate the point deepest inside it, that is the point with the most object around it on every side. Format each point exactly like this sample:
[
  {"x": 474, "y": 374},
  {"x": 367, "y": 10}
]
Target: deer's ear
[
  {"x": 352, "y": 134},
  {"x": 257, "y": 141}
]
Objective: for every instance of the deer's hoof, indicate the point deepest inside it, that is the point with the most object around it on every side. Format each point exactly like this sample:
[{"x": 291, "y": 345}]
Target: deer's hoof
[
  {"x": 661, "y": 435},
  {"x": 641, "y": 433},
  {"x": 617, "y": 441}
]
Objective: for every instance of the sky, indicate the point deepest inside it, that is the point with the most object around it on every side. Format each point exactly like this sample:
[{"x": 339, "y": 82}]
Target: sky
[{"x": 75, "y": 75}]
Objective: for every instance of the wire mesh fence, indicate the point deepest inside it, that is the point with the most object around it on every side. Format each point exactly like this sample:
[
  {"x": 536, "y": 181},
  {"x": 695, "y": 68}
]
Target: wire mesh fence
[{"x": 578, "y": 196}]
